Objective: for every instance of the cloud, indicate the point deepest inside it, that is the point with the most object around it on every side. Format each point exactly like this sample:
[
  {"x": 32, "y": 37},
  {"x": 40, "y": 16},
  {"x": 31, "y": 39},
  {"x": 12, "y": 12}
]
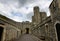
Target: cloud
[
  {"x": 29, "y": 16},
  {"x": 7, "y": 1},
  {"x": 17, "y": 18},
  {"x": 22, "y": 10}
]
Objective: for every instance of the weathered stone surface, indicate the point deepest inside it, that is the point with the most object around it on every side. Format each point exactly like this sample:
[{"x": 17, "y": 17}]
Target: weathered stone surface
[{"x": 28, "y": 37}]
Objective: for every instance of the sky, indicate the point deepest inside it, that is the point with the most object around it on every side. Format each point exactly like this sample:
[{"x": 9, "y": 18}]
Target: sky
[{"x": 22, "y": 10}]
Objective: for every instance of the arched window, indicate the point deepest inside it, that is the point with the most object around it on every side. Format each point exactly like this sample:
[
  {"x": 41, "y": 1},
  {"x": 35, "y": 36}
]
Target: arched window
[{"x": 58, "y": 30}]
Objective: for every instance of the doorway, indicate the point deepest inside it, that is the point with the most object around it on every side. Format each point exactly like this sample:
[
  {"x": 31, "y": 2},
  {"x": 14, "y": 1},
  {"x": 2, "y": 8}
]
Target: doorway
[
  {"x": 27, "y": 30},
  {"x": 58, "y": 30},
  {"x": 1, "y": 32}
]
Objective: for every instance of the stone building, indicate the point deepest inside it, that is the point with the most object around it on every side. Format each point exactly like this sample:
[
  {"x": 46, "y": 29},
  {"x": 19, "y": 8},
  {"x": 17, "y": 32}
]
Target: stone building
[
  {"x": 42, "y": 26},
  {"x": 8, "y": 29},
  {"x": 11, "y": 30},
  {"x": 26, "y": 27},
  {"x": 49, "y": 27}
]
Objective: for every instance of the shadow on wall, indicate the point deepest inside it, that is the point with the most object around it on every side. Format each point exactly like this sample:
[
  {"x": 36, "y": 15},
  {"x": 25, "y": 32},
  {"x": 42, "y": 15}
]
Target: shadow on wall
[
  {"x": 58, "y": 30},
  {"x": 1, "y": 32}
]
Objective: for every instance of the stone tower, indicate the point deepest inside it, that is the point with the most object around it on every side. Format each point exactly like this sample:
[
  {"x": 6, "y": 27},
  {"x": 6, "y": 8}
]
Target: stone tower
[
  {"x": 55, "y": 16},
  {"x": 36, "y": 15},
  {"x": 55, "y": 9},
  {"x": 43, "y": 15}
]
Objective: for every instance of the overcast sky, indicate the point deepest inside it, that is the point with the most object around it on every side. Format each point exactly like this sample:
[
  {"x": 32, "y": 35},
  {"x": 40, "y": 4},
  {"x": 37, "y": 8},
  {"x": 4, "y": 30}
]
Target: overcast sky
[{"x": 22, "y": 10}]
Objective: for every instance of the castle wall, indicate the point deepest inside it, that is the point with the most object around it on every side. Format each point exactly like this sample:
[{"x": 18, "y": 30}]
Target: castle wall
[
  {"x": 54, "y": 10},
  {"x": 25, "y": 25},
  {"x": 55, "y": 15},
  {"x": 45, "y": 30},
  {"x": 11, "y": 31}
]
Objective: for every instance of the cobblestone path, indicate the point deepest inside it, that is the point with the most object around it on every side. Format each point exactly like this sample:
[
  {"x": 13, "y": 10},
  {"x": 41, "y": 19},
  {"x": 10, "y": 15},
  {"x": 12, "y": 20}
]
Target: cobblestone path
[{"x": 28, "y": 37}]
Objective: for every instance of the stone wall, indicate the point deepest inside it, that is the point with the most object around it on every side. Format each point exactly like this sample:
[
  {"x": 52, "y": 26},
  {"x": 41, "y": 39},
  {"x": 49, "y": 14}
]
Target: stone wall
[
  {"x": 45, "y": 30},
  {"x": 25, "y": 25},
  {"x": 11, "y": 30}
]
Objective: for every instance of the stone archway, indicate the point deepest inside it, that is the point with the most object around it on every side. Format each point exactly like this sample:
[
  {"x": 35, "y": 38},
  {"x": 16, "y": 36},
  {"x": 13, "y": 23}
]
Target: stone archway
[
  {"x": 27, "y": 30},
  {"x": 58, "y": 30},
  {"x": 1, "y": 33}
]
